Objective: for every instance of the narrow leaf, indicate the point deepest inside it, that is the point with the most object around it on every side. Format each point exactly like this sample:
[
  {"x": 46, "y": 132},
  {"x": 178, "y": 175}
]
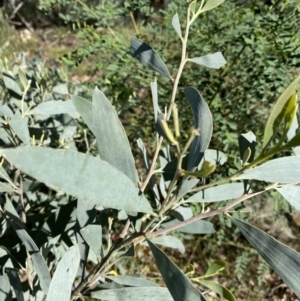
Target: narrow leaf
[
  {"x": 15, "y": 282},
  {"x": 177, "y": 283},
  {"x": 176, "y": 24},
  {"x": 211, "y": 4},
  {"x": 92, "y": 234},
  {"x": 282, "y": 170},
  {"x": 185, "y": 188},
  {"x": 271, "y": 125},
  {"x": 148, "y": 57},
  {"x": 246, "y": 141},
  {"x": 214, "y": 61},
  {"x": 85, "y": 215},
  {"x": 155, "y": 99},
  {"x": 20, "y": 126},
  {"x": 85, "y": 109},
  {"x": 39, "y": 262},
  {"x": 132, "y": 280},
  {"x": 170, "y": 242},
  {"x": 197, "y": 227},
  {"x": 133, "y": 293},
  {"x": 202, "y": 123},
  {"x": 291, "y": 194},
  {"x": 147, "y": 166},
  {"x": 282, "y": 259},
  {"x": 6, "y": 187},
  {"x": 12, "y": 85},
  {"x": 112, "y": 141},
  {"x": 219, "y": 289},
  {"x": 66, "y": 270},
  {"x": 163, "y": 130},
  {"x": 54, "y": 107},
  {"x": 80, "y": 175},
  {"x": 219, "y": 193},
  {"x": 5, "y": 293}
]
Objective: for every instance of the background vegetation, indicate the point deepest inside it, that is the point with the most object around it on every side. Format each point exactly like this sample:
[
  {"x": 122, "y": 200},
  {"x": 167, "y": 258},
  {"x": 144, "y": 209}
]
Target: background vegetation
[{"x": 71, "y": 46}]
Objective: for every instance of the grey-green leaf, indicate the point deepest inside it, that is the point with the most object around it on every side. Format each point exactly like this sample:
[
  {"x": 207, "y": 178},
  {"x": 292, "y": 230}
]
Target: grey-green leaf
[
  {"x": 291, "y": 194},
  {"x": 12, "y": 85},
  {"x": 64, "y": 276},
  {"x": 169, "y": 242},
  {"x": 203, "y": 123},
  {"x": 39, "y": 262},
  {"x": 85, "y": 109},
  {"x": 211, "y": 4},
  {"x": 176, "y": 24},
  {"x": 282, "y": 170},
  {"x": 177, "y": 283},
  {"x": 185, "y": 188},
  {"x": 284, "y": 260},
  {"x": 219, "y": 193},
  {"x": 197, "y": 227},
  {"x": 112, "y": 141},
  {"x": 132, "y": 280},
  {"x": 6, "y": 187},
  {"x": 92, "y": 234},
  {"x": 148, "y": 57},
  {"x": 15, "y": 282},
  {"x": 54, "y": 107},
  {"x": 79, "y": 175},
  {"x": 20, "y": 127},
  {"x": 5, "y": 293},
  {"x": 214, "y": 61},
  {"x": 133, "y": 293}
]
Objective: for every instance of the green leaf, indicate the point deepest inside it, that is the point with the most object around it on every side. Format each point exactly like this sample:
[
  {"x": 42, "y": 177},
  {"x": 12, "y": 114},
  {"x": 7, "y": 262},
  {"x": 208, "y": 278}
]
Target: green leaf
[
  {"x": 276, "y": 115},
  {"x": 214, "y": 60},
  {"x": 112, "y": 142},
  {"x": 162, "y": 128},
  {"x": 80, "y": 175},
  {"x": 177, "y": 283},
  {"x": 176, "y": 24},
  {"x": 85, "y": 109},
  {"x": 282, "y": 170},
  {"x": 247, "y": 141},
  {"x": 20, "y": 127},
  {"x": 282, "y": 259},
  {"x": 64, "y": 276},
  {"x": 92, "y": 234},
  {"x": 132, "y": 280},
  {"x": 211, "y": 4},
  {"x": 291, "y": 194},
  {"x": 54, "y": 107},
  {"x": 133, "y": 293},
  {"x": 216, "y": 267},
  {"x": 219, "y": 289},
  {"x": 38, "y": 260},
  {"x": 219, "y": 193},
  {"x": 148, "y": 57},
  {"x": 294, "y": 143},
  {"x": 202, "y": 123}
]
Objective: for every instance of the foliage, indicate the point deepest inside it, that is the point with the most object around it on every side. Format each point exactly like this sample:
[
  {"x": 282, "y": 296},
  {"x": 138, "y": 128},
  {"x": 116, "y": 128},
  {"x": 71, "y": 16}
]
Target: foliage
[{"x": 74, "y": 195}]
